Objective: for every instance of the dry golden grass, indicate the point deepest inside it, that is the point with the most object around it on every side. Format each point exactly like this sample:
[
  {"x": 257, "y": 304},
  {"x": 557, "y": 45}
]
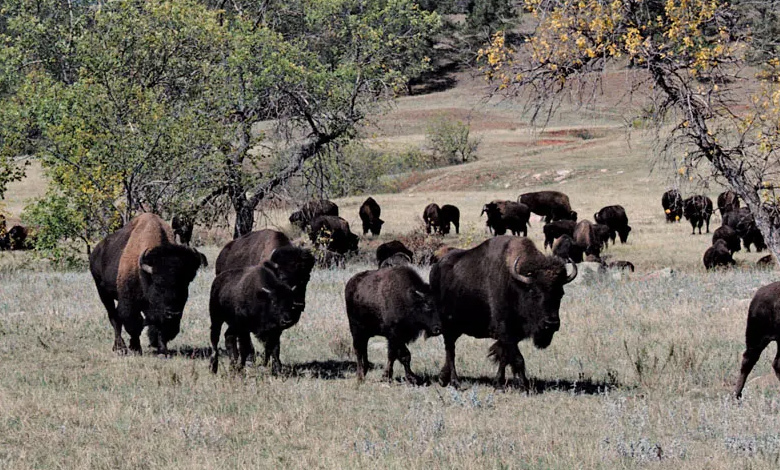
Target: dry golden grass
[{"x": 640, "y": 373}]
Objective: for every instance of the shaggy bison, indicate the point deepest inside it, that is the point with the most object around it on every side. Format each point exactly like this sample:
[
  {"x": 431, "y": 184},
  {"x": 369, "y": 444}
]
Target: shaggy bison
[
  {"x": 308, "y": 212},
  {"x": 566, "y": 249},
  {"x": 727, "y": 201},
  {"x": 438, "y": 219},
  {"x": 251, "y": 300},
  {"x": 144, "y": 270},
  {"x": 552, "y": 205},
  {"x": 369, "y": 214},
  {"x": 507, "y": 215},
  {"x": 763, "y": 327},
  {"x": 392, "y": 249},
  {"x": 698, "y": 210},
  {"x": 394, "y": 303},
  {"x": 504, "y": 289},
  {"x": 742, "y": 221},
  {"x": 431, "y": 217},
  {"x": 183, "y": 226},
  {"x": 585, "y": 236},
  {"x": 334, "y": 234},
  {"x": 672, "y": 203},
  {"x": 15, "y": 239},
  {"x": 556, "y": 229},
  {"x": 718, "y": 255},
  {"x": 728, "y": 235},
  {"x": 615, "y": 218}
]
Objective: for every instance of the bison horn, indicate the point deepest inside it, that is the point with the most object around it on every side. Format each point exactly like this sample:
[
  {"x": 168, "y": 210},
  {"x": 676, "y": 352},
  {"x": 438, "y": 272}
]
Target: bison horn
[
  {"x": 516, "y": 273},
  {"x": 573, "y": 274},
  {"x": 418, "y": 293},
  {"x": 266, "y": 290},
  {"x": 406, "y": 256}
]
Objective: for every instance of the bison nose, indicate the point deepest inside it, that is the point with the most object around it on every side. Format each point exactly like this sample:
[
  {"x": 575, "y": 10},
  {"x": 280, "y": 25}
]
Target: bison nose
[
  {"x": 436, "y": 330},
  {"x": 552, "y": 325}
]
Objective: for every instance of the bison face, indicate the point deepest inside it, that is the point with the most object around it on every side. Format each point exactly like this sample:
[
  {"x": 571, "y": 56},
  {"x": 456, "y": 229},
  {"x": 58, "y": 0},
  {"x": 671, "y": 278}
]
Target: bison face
[
  {"x": 425, "y": 307},
  {"x": 292, "y": 266},
  {"x": 376, "y": 227},
  {"x": 166, "y": 273},
  {"x": 352, "y": 241},
  {"x": 623, "y": 233},
  {"x": 283, "y": 308}
]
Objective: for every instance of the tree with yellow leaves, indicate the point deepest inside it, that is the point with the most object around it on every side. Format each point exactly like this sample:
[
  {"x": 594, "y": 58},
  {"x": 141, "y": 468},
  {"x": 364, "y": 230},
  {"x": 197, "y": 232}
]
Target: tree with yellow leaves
[{"x": 692, "y": 57}]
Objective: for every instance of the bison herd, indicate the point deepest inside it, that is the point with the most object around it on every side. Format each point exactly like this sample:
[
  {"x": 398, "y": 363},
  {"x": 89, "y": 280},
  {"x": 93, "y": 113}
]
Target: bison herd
[{"x": 504, "y": 289}]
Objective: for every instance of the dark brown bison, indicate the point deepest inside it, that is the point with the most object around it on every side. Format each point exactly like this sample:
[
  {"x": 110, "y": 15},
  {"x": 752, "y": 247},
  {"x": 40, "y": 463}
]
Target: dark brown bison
[
  {"x": 183, "y": 226},
  {"x": 615, "y": 218},
  {"x": 431, "y": 217},
  {"x": 290, "y": 264},
  {"x": 718, "y": 255},
  {"x": 144, "y": 270},
  {"x": 309, "y": 212},
  {"x": 763, "y": 327},
  {"x": 602, "y": 233},
  {"x": 552, "y": 205},
  {"x": 507, "y": 215},
  {"x": 727, "y": 202},
  {"x": 251, "y": 300},
  {"x": 566, "y": 249},
  {"x": 621, "y": 265},
  {"x": 394, "y": 303},
  {"x": 556, "y": 229},
  {"x": 672, "y": 203},
  {"x": 504, "y": 289},
  {"x": 728, "y": 235},
  {"x": 585, "y": 236},
  {"x": 698, "y": 210},
  {"x": 333, "y": 233},
  {"x": 369, "y": 214},
  {"x": 449, "y": 214},
  {"x": 742, "y": 221},
  {"x": 17, "y": 238},
  {"x": 390, "y": 249}
]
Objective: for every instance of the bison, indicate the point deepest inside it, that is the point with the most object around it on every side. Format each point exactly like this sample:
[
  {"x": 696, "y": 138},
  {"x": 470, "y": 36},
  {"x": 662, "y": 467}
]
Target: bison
[
  {"x": 566, "y": 249},
  {"x": 392, "y": 249},
  {"x": 763, "y": 327},
  {"x": 431, "y": 217},
  {"x": 742, "y": 221},
  {"x": 555, "y": 229},
  {"x": 698, "y": 210},
  {"x": 394, "y": 303},
  {"x": 615, "y": 218},
  {"x": 251, "y": 300},
  {"x": 504, "y": 289},
  {"x": 728, "y": 235},
  {"x": 507, "y": 215},
  {"x": 449, "y": 214},
  {"x": 727, "y": 201},
  {"x": 672, "y": 203},
  {"x": 369, "y": 214},
  {"x": 602, "y": 233},
  {"x": 309, "y": 212},
  {"x": 15, "y": 239},
  {"x": 585, "y": 236},
  {"x": 552, "y": 205},
  {"x": 141, "y": 268},
  {"x": 620, "y": 264},
  {"x": 718, "y": 255},
  {"x": 766, "y": 261},
  {"x": 183, "y": 226},
  {"x": 334, "y": 233}
]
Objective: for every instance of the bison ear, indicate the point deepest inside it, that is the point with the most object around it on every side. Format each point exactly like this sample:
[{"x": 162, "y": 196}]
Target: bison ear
[{"x": 204, "y": 263}]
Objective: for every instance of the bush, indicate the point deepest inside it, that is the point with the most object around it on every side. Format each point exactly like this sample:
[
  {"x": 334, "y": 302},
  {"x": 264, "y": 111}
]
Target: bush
[{"x": 450, "y": 141}]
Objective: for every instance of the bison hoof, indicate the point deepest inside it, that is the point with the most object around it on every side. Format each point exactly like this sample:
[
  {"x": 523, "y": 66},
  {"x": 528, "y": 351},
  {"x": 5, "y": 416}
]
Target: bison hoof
[{"x": 415, "y": 380}]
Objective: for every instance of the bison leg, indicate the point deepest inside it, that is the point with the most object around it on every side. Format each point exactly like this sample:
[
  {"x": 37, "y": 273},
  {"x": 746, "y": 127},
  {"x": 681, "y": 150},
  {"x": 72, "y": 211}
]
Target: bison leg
[
  {"x": 108, "y": 302},
  {"x": 216, "y": 329},
  {"x": 776, "y": 363},
  {"x": 456, "y": 223},
  {"x": 392, "y": 355},
  {"x": 360, "y": 343},
  {"x": 448, "y": 375},
  {"x": 405, "y": 357},
  {"x": 749, "y": 359},
  {"x": 131, "y": 318},
  {"x": 272, "y": 351},
  {"x": 518, "y": 369},
  {"x": 231, "y": 344},
  {"x": 707, "y": 220},
  {"x": 244, "y": 347}
]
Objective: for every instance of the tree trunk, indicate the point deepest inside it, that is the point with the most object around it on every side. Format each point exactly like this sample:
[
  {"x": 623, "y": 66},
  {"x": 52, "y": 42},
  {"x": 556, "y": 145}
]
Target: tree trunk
[{"x": 245, "y": 216}]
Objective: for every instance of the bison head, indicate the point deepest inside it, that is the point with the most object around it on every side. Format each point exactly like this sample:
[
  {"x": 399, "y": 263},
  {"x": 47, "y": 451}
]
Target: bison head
[
  {"x": 424, "y": 304},
  {"x": 278, "y": 299},
  {"x": 541, "y": 280},
  {"x": 297, "y": 219},
  {"x": 292, "y": 266},
  {"x": 352, "y": 242},
  {"x": 623, "y": 233},
  {"x": 166, "y": 272},
  {"x": 376, "y": 226}
]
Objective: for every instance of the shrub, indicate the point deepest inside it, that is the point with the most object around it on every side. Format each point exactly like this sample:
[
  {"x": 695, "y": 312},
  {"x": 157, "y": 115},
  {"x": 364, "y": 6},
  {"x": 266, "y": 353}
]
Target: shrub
[{"x": 450, "y": 141}]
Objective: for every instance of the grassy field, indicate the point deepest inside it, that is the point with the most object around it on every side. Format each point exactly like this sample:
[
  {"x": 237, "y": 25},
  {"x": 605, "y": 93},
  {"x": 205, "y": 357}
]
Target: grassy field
[{"x": 639, "y": 375}]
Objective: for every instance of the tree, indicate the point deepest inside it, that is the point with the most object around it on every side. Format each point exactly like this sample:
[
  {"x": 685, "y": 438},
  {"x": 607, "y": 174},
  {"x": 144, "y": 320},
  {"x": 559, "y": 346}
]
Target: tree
[{"x": 690, "y": 55}]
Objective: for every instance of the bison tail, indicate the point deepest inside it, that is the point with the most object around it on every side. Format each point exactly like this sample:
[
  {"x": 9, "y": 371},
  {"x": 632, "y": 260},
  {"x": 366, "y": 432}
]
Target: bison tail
[{"x": 496, "y": 352}]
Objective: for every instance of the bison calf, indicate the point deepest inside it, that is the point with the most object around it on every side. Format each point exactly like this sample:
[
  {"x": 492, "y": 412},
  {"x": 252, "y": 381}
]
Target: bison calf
[
  {"x": 394, "y": 303},
  {"x": 672, "y": 203},
  {"x": 250, "y": 300},
  {"x": 698, "y": 210},
  {"x": 763, "y": 327},
  {"x": 369, "y": 215},
  {"x": 718, "y": 255}
]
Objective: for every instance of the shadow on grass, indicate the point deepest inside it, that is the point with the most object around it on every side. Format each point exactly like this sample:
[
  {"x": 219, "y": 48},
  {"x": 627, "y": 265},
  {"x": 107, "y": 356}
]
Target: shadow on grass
[
  {"x": 539, "y": 386},
  {"x": 193, "y": 352},
  {"x": 327, "y": 370},
  {"x": 441, "y": 79}
]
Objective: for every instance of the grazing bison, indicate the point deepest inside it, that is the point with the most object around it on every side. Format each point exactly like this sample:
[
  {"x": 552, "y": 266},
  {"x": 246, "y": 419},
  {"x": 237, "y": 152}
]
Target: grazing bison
[
  {"x": 369, "y": 214},
  {"x": 727, "y": 201},
  {"x": 183, "y": 226},
  {"x": 585, "y": 236},
  {"x": 763, "y": 327},
  {"x": 622, "y": 265},
  {"x": 144, "y": 270},
  {"x": 766, "y": 261},
  {"x": 672, "y": 203},
  {"x": 552, "y": 205},
  {"x": 566, "y": 249},
  {"x": 698, "y": 210},
  {"x": 728, "y": 235},
  {"x": 718, "y": 255},
  {"x": 742, "y": 221},
  {"x": 449, "y": 214},
  {"x": 290, "y": 264},
  {"x": 334, "y": 233},
  {"x": 507, "y": 215},
  {"x": 394, "y": 303},
  {"x": 615, "y": 218},
  {"x": 309, "y": 212},
  {"x": 390, "y": 249},
  {"x": 431, "y": 217},
  {"x": 602, "y": 233},
  {"x": 16, "y": 239},
  {"x": 504, "y": 289},
  {"x": 251, "y": 300},
  {"x": 556, "y": 229}
]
